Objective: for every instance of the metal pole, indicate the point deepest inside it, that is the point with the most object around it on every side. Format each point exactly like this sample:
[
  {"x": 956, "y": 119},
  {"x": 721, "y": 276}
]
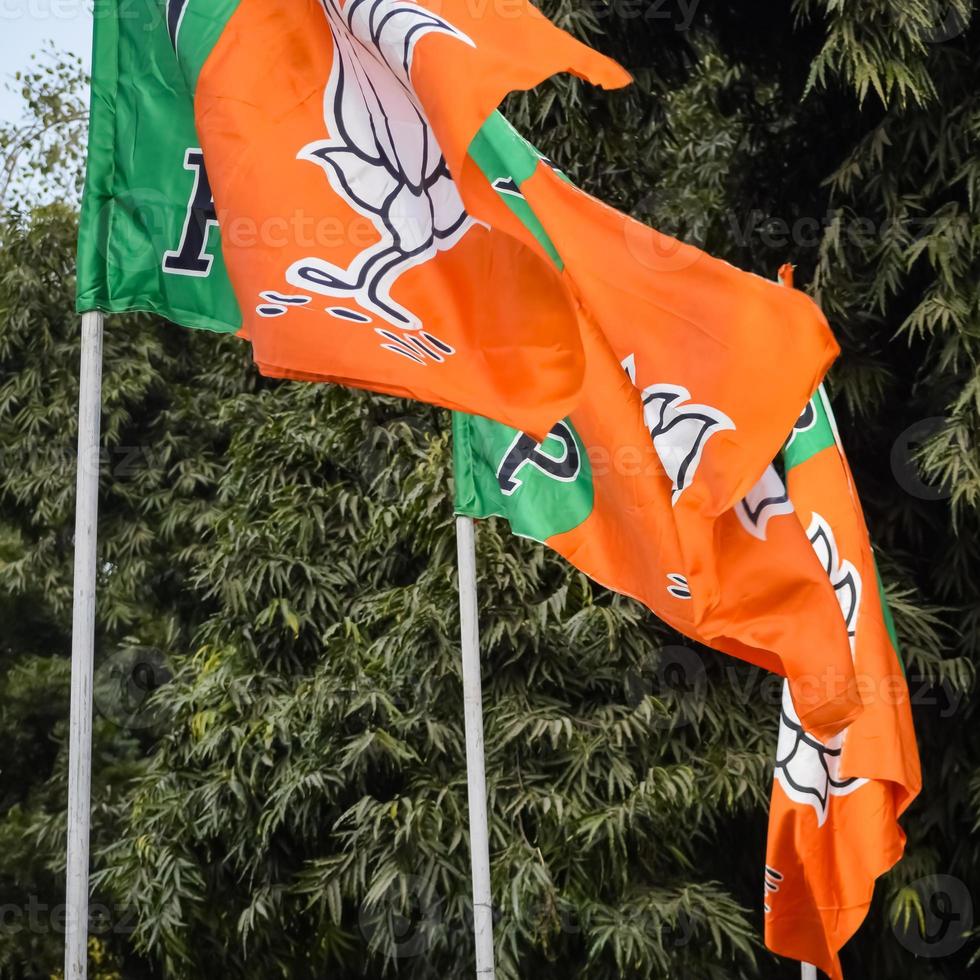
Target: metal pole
[
  {"x": 476, "y": 776},
  {"x": 83, "y": 649},
  {"x": 808, "y": 972}
]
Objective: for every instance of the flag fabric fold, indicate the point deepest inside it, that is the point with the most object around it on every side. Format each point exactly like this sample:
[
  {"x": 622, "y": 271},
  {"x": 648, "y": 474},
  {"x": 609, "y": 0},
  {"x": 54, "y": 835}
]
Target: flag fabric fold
[
  {"x": 321, "y": 178},
  {"x": 833, "y": 821},
  {"x": 328, "y": 180},
  {"x": 695, "y": 372},
  {"x": 356, "y": 115},
  {"x": 328, "y": 215}
]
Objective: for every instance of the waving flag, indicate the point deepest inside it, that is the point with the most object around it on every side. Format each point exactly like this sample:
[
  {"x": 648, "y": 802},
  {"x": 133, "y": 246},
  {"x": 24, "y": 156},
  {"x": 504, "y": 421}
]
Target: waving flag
[
  {"x": 334, "y": 135},
  {"x": 365, "y": 218},
  {"x": 657, "y": 484},
  {"x": 833, "y": 822}
]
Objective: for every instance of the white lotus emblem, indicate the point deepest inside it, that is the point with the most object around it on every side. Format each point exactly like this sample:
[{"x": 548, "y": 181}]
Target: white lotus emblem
[
  {"x": 767, "y": 499},
  {"x": 382, "y": 157},
  {"x": 680, "y": 429},
  {"x": 808, "y": 769}
]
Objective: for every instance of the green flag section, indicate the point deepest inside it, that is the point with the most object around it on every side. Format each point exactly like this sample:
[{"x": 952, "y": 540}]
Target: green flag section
[
  {"x": 542, "y": 489},
  {"x": 506, "y": 159},
  {"x": 814, "y": 431},
  {"x": 148, "y": 234}
]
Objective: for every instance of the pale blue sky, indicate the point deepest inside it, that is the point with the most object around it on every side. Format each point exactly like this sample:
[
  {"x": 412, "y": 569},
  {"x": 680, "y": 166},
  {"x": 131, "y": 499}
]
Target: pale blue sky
[{"x": 24, "y": 27}]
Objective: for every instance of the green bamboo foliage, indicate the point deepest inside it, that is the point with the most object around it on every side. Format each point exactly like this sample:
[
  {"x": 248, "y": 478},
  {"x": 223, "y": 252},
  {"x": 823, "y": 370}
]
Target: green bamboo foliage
[{"x": 316, "y": 737}]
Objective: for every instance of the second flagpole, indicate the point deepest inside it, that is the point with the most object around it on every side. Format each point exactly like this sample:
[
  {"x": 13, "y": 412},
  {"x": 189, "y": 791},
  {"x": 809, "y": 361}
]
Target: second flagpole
[{"x": 476, "y": 776}]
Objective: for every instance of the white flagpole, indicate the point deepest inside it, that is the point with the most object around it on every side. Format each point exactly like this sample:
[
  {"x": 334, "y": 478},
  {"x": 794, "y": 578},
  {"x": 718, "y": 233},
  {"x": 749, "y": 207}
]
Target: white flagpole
[
  {"x": 83, "y": 649},
  {"x": 476, "y": 776}
]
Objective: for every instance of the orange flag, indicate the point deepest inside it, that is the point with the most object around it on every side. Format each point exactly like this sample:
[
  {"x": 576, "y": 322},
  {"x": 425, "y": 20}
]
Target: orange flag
[
  {"x": 365, "y": 217},
  {"x": 695, "y": 372},
  {"x": 833, "y": 821},
  {"x": 596, "y": 492},
  {"x": 334, "y": 134}
]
